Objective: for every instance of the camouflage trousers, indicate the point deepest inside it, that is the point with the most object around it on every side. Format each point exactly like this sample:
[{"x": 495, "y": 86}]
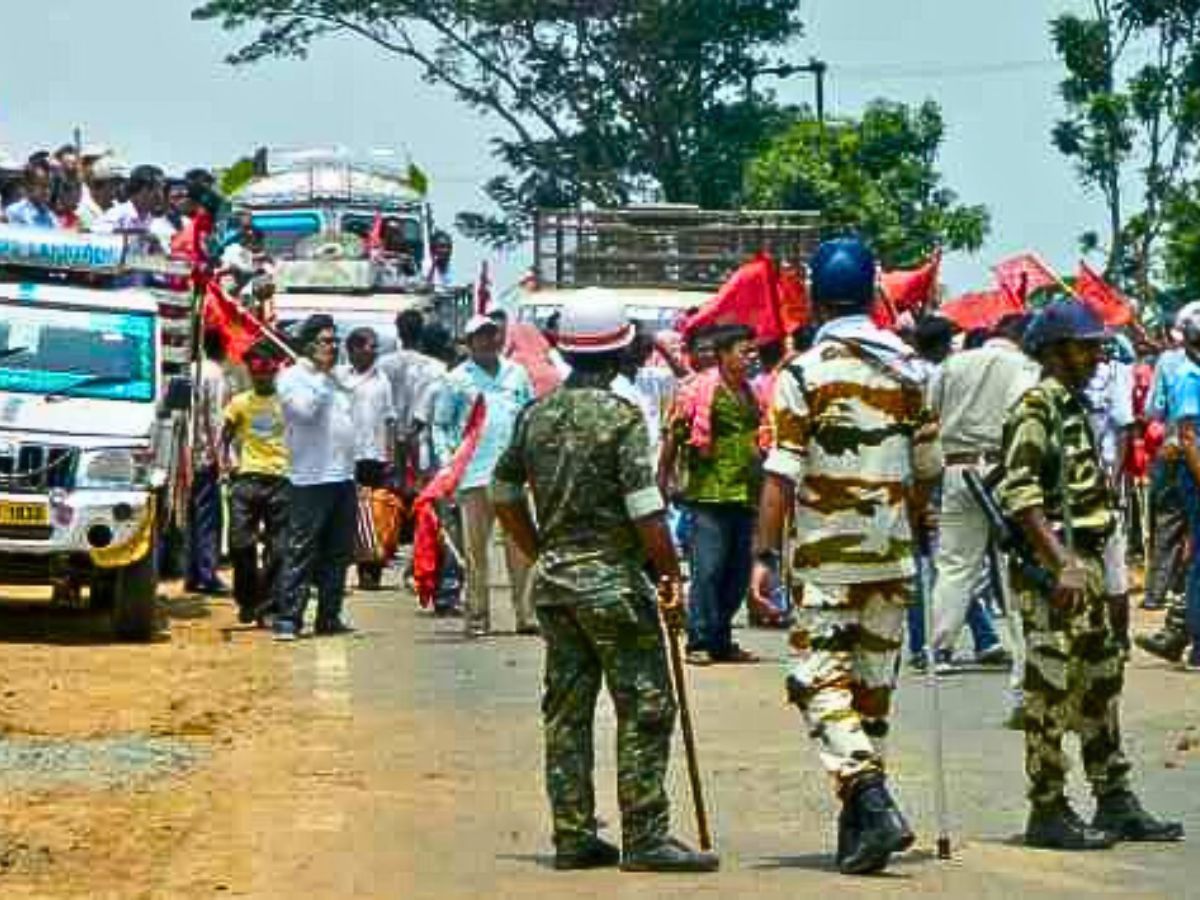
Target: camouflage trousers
[
  {"x": 1073, "y": 681},
  {"x": 621, "y": 644},
  {"x": 847, "y": 639}
]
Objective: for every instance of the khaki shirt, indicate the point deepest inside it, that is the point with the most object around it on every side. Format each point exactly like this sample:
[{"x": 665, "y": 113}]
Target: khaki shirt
[{"x": 973, "y": 391}]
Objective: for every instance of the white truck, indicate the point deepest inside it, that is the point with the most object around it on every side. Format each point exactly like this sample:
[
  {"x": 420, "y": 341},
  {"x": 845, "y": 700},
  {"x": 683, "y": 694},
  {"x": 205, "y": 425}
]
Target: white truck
[{"x": 93, "y": 423}]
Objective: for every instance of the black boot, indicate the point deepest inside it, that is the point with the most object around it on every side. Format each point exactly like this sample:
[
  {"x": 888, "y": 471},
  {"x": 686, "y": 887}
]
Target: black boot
[
  {"x": 593, "y": 853},
  {"x": 1055, "y": 826},
  {"x": 1121, "y": 815},
  {"x": 878, "y": 829},
  {"x": 670, "y": 855},
  {"x": 1168, "y": 645}
]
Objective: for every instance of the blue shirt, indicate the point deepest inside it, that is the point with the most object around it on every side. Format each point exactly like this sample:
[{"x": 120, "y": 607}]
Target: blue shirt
[
  {"x": 505, "y": 395},
  {"x": 1176, "y": 391},
  {"x": 29, "y": 214}
]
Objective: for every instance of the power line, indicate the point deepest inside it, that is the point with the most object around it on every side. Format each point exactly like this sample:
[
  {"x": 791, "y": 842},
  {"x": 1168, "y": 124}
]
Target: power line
[{"x": 900, "y": 70}]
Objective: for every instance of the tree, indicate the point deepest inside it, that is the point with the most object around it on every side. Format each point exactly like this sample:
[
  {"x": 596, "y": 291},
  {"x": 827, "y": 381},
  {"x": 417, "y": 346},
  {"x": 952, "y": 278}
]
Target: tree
[
  {"x": 1132, "y": 95},
  {"x": 598, "y": 97},
  {"x": 877, "y": 176}
]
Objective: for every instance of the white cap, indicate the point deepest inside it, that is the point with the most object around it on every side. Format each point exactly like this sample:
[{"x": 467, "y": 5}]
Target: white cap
[
  {"x": 106, "y": 167},
  {"x": 594, "y": 321},
  {"x": 478, "y": 323}
]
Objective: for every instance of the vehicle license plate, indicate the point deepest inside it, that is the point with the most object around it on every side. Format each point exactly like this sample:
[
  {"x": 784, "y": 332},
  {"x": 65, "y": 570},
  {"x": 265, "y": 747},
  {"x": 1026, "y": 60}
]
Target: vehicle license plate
[{"x": 28, "y": 515}]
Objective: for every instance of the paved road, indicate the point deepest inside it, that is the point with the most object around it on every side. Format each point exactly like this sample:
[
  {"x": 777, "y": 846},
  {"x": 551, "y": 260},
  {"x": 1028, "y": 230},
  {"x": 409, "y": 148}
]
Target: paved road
[{"x": 417, "y": 773}]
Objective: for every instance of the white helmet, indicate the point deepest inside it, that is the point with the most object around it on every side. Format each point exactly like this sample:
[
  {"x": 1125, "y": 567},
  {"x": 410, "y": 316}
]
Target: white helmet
[{"x": 594, "y": 321}]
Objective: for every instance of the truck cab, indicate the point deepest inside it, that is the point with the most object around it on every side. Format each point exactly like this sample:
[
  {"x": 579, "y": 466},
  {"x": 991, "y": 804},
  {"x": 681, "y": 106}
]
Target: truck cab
[{"x": 93, "y": 423}]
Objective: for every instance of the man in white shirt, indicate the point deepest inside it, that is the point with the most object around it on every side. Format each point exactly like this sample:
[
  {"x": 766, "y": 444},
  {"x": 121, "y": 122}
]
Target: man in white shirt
[
  {"x": 1110, "y": 396},
  {"x": 319, "y": 412},
  {"x": 402, "y": 368},
  {"x": 374, "y": 426},
  {"x": 101, "y": 177},
  {"x": 136, "y": 214}
]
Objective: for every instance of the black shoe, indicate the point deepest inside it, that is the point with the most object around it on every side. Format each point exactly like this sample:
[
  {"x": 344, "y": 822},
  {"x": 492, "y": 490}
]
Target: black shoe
[
  {"x": 1163, "y": 644},
  {"x": 880, "y": 828},
  {"x": 333, "y": 629},
  {"x": 246, "y": 614},
  {"x": 670, "y": 856},
  {"x": 1056, "y": 826},
  {"x": 594, "y": 853},
  {"x": 211, "y": 589},
  {"x": 1121, "y": 815}
]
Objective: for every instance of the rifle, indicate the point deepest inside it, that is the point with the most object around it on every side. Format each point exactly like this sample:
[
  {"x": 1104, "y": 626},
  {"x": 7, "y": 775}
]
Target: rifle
[
  {"x": 670, "y": 605},
  {"x": 1008, "y": 537}
]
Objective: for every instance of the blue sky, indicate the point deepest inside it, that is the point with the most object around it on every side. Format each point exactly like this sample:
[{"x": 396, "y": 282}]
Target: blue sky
[{"x": 141, "y": 76}]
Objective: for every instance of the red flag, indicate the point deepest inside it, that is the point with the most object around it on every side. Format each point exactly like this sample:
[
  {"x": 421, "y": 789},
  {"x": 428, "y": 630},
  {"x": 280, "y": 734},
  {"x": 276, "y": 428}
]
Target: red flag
[
  {"x": 981, "y": 310},
  {"x": 427, "y": 543},
  {"x": 750, "y": 297},
  {"x": 529, "y": 347},
  {"x": 794, "y": 309},
  {"x": 483, "y": 289},
  {"x": 1107, "y": 302},
  {"x": 1023, "y": 274},
  {"x": 911, "y": 289},
  {"x": 882, "y": 313},
  {"x": 374, "y": 242},
  {"x": 237, "y": 326}
]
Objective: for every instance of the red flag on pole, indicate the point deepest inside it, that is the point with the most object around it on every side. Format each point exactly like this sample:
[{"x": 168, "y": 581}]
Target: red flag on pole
[
  {"x": 1107, "y": 302},
  {"x": 1022, "y": 274},
  {"x": 981, "y": 310},
  {"x": 483, "y": 289},
  {"x": 911, "y": 289},
  {"x": 239, "y": 328},
  {"x": 750, "y": 297},
  {"x": 427, "y": 543}
]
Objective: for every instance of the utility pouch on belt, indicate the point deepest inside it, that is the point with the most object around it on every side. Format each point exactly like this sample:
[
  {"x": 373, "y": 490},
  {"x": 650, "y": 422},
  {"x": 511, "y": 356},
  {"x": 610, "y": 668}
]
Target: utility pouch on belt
[{"x": 1008, "y": 537}]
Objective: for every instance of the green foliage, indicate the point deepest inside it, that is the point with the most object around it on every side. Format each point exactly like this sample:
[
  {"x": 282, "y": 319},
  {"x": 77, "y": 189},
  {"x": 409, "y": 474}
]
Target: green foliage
[
  {"x": 417, "y": 179},
  {"x": 236, "y": 176},
  {"x": 1132, "y": 98},
  {"x": 600, "y": 98},
  {"x": 877, "y": 176}
]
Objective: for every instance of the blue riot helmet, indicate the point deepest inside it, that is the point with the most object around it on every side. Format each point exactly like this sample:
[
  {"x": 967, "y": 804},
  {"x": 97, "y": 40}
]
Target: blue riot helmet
[
  {"x": 1063, "y": 320},
  {"x": 842, "y": 275}
]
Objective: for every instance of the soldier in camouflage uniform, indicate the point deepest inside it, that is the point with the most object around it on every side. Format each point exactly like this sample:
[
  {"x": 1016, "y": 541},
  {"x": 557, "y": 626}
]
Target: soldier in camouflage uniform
[
  {"x": 1056, "y": 492},
  {"x": 585, "y": 454},
  {"x": 856, "y": 451}
]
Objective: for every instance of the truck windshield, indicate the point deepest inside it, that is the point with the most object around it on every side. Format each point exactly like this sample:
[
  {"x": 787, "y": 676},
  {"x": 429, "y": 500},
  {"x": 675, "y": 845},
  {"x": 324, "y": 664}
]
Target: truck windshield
[{"x": 76, "y": 352}]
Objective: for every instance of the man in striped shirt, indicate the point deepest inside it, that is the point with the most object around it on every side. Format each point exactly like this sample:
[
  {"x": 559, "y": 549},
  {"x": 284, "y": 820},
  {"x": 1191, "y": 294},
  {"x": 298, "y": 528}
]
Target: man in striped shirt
[{"x": 856, "y": 451}]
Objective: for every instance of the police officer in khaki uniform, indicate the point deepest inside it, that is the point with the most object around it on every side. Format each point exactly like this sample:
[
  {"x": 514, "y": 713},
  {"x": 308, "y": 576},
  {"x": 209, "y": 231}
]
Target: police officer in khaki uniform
[{"x": 1056, "y": 492}]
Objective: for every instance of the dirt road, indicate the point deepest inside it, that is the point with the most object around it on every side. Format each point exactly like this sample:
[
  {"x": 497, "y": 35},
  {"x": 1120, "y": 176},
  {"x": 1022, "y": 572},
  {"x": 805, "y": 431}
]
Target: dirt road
[{"x": 404, "y": 762}]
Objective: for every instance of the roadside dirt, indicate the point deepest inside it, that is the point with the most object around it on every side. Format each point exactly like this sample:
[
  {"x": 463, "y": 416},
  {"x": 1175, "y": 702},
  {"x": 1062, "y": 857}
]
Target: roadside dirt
[{"x": 111, "y": 754}]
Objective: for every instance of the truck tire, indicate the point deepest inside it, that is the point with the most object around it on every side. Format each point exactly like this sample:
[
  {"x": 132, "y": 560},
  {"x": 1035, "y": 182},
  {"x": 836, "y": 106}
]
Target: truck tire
[{"x": 134, "y": 608}]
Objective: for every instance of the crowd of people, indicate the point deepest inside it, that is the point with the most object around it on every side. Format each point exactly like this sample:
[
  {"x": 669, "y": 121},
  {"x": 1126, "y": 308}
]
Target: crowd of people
[
  {"x": 89, "y": 190},
  {"x": 813, "y": 485},
  {"x": 857, "y": 451}
]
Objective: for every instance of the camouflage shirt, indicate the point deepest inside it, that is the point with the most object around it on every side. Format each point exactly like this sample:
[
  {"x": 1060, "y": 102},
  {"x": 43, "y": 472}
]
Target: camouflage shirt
[
  {"x": 1037, "y": 474},
  {"x": 585, "y": 454},
  {"x": 848, "y": 433}
]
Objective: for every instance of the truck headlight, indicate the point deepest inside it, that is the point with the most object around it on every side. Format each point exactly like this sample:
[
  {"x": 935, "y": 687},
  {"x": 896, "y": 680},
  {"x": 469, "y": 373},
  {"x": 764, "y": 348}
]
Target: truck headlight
[{"x": 114, "y": 468}]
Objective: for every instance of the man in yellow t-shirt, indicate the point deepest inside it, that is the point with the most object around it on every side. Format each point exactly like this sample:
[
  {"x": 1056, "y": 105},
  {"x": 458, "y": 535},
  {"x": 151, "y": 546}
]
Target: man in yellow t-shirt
[{"x": 259, "y": 495}]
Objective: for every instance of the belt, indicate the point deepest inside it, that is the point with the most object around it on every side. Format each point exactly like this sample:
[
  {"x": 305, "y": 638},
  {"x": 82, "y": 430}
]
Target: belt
[{"x": 972, "y": 458}]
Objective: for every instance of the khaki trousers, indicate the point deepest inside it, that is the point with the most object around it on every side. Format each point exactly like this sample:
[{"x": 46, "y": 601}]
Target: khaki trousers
[
  {"x": 479, "y": 519},
  {"x": 962, "y": 553}
]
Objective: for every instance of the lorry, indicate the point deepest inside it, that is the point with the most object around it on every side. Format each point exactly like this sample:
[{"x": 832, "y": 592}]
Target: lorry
[
  {"x": 94, "y": 419},
  {"x": 339, "y": 230},
  {"x": 660, "y": 259}
]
